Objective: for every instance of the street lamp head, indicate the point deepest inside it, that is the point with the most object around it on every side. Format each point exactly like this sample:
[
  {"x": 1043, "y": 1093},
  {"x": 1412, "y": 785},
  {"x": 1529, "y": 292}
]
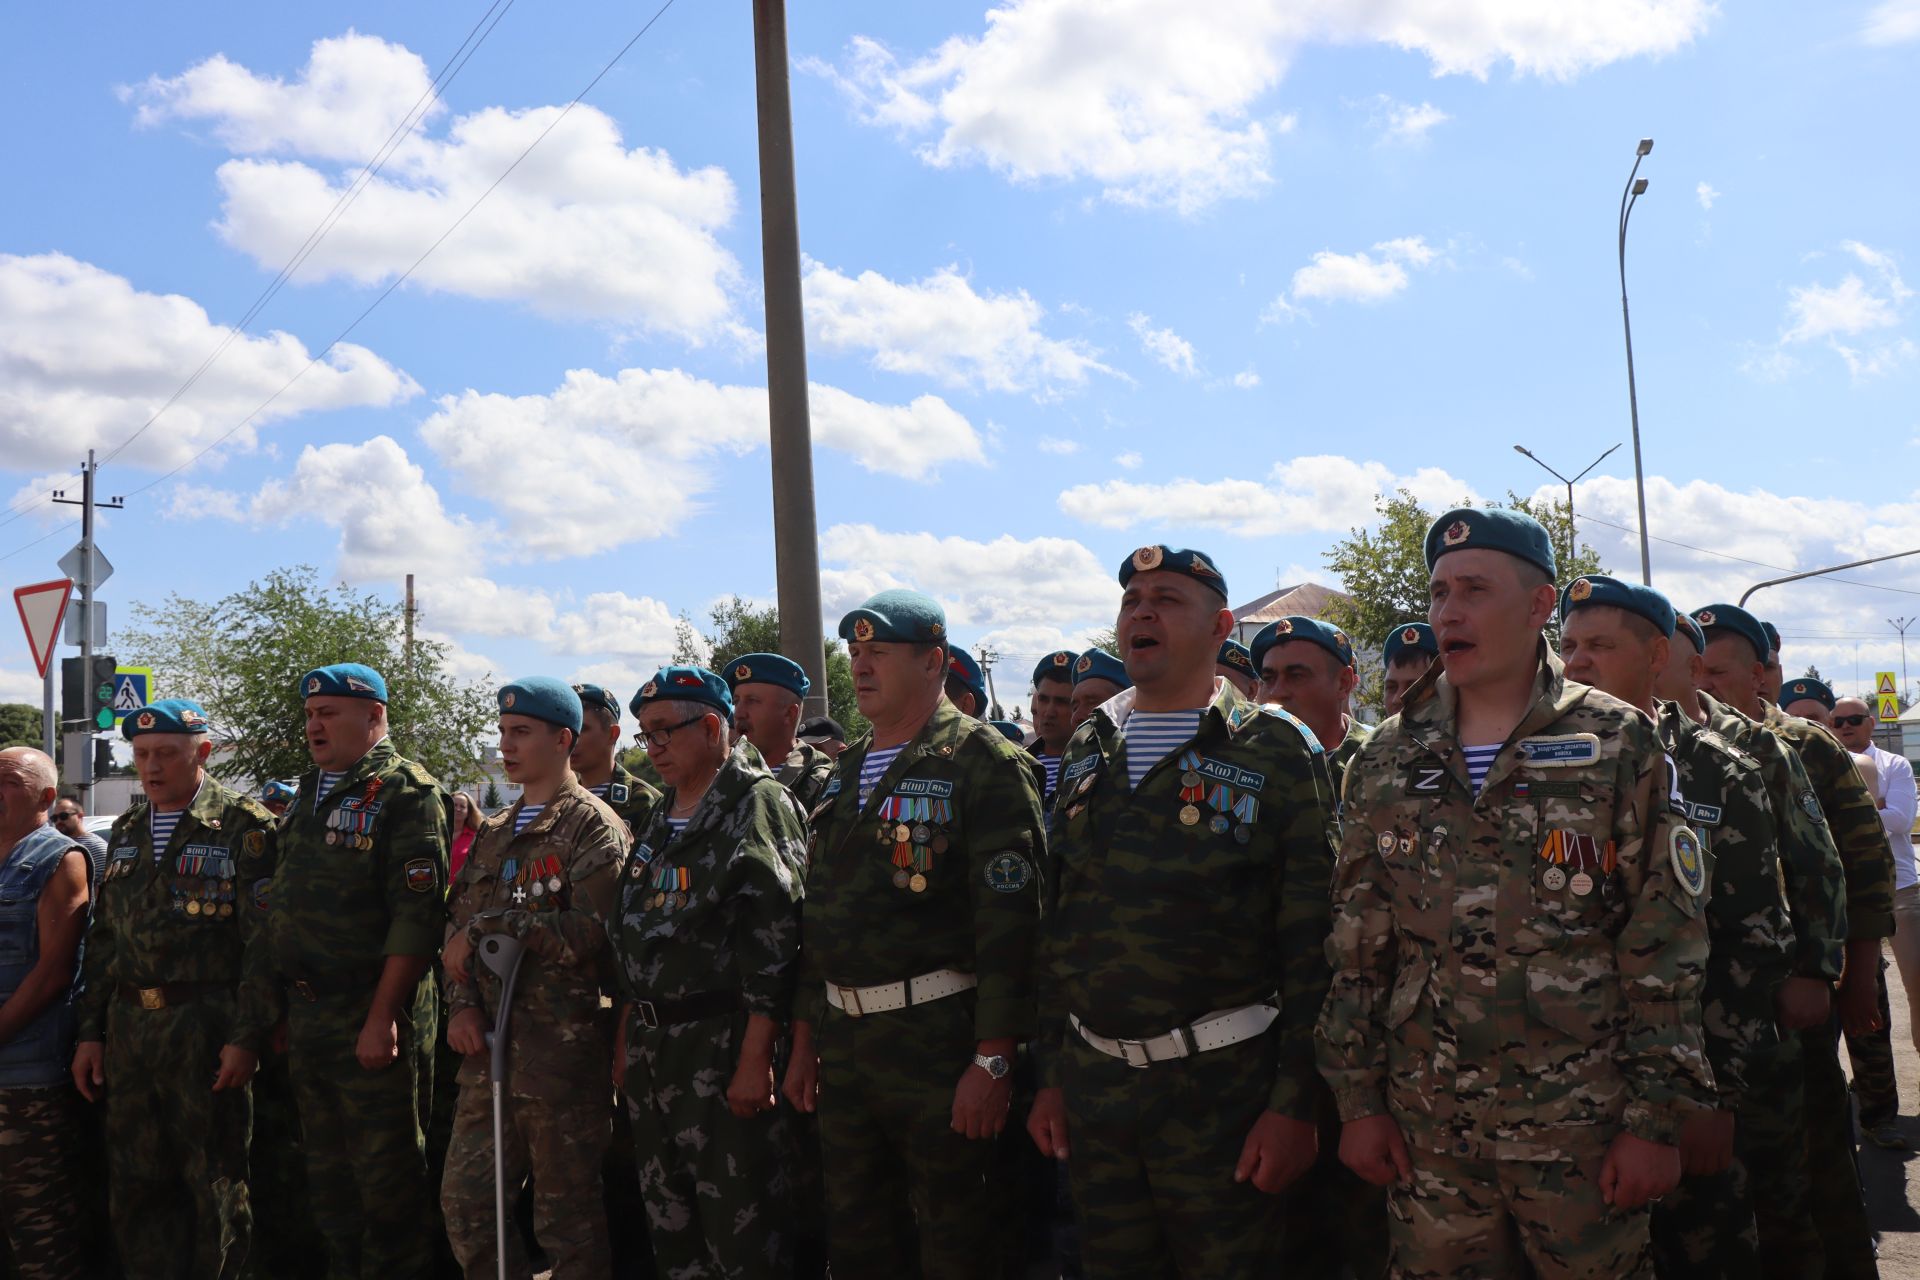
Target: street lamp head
[
  {"x": 1639, "y": 186},
  {"x": 1520, "y": 448},
  {"x": 1646, "y": 145}
]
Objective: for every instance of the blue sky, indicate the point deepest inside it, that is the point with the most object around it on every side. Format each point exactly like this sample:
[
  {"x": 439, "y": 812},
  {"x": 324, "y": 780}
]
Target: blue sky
[{"x": 1081, "y": 275}]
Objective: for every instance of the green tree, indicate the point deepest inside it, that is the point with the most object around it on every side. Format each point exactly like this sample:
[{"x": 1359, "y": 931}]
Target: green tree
[
  {"x": 739, "y": 626},
  {"x": 242, "y": 657},
  {"x": 19, "y": 725}
]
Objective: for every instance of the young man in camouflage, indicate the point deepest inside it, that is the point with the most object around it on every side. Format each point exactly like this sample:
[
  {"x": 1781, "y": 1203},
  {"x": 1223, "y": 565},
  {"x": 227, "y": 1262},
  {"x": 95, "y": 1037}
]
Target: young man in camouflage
[
  {"x": 596, "y": 765},
  {"x": 1513, "y": 1032},
  {"x": 705, "y": 937},
  {"x": 916, "y": 975},
  {"x": 1051, "y": 705},
  {"x": 1182, "y": 955},
  {"x": 1306, "y": 666},
  {"x": 1410, "y": 650},
  {"x": 542, "y": 871},
  {"x": 769, "y": 692},
  {"x": 355, "y": 911},
  {"x": 177, "y": 981}
]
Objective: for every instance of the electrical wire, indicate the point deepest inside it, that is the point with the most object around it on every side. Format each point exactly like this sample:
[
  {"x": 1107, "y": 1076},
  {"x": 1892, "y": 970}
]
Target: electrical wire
[{"x": 1758, "y": 564}]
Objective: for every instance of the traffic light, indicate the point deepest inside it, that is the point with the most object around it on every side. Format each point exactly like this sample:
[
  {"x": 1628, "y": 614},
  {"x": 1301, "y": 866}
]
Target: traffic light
[{"x": 73, "y": 689}]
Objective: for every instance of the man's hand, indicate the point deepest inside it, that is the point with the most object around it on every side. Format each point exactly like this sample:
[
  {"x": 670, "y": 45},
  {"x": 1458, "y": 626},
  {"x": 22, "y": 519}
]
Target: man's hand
[
  {"x": 90, "y": 1069},
  {"x": 1047, "y": 1123},
  {"x": 236, "y": 1067},
  {"x": 1278, "y": 1150},
  {"x": 379, "y": 1043},
  {"x": 1706, "y": 1142},
  {"x": 751, "y": 1090},
  {"x": 1636, "y": 1171},
  {"x": 1802, "y": 1003},
  {"x": 457, "y": 956},
  {"x": 1860, "y": 1000},
  {"x": 466, "y": 1033},
  {"x": 801, "y": 1085},
  {"x": 980, "y": 1103},
  {"x": 1374, "y": 1148}
]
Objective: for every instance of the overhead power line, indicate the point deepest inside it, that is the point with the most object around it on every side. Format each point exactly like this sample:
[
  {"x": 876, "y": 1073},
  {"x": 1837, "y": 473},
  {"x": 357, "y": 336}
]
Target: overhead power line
[{"x": 1758, "y": 564}]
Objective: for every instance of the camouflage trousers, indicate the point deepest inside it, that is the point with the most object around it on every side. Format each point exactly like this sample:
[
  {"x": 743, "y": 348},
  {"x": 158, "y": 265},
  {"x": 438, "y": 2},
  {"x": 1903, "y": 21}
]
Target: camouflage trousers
[
  {"x": 1472, "y": 1219},
  {"x": 906, "y": 1195},
  {"x": 1336, "y": 1220},
  {"x": 1152, "y": 1154},
  {"x": 718, "y": 1188},
  {"x": 556, "y": 1133},
  {"x": 1839, "y": 1212},
  {"x": 365, "y": 1137},
  {"x": 176, "y": 1150},
  {"x": 41, "y": 1195},
  {"x": 1874, "y": 1083}
]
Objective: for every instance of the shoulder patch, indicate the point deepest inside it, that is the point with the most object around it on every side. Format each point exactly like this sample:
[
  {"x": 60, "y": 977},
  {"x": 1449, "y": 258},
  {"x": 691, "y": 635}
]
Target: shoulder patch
[
  {"x": 1561, "y": 749},
  {"x": 420, "y": 875},
  {"x": 262, "y": 894},
  {"x": 618, "y": 793},
  {"x": 255, "y": 842},
  {"x": 1811, "y": 803},
  {"x": 1008, "y": 873},
  {"x": 1689, "y": 868}
]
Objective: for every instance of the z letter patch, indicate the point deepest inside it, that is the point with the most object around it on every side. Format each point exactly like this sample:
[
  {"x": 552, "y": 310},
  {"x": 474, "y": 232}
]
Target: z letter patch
[
  {"x": 1426, "y": 780},
  {"x": 1688, "y": 866}
]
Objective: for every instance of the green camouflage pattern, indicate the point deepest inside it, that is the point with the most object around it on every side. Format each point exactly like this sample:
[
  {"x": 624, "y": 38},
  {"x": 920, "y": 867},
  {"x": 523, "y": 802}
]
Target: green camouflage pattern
[
  {"x": 805, "y": 773},
  {"x": 1876, "y": 1087},
  {"x": 717, "y": 1187},
  {"x": 1852, "y": 817},
  {"x": 1489, "y": 1006},
  {"x": 1833, "y": 1174},
  {"x": 1339, "y": 757},
  {"x": 632, "y": 797},
  {"x": 42, "y": 1183}
]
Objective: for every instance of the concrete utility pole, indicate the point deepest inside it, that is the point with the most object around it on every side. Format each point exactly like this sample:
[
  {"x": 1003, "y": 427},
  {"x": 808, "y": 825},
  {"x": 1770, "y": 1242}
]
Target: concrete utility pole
[
  {"x": 790, "y": 432},
  {"x": 407, "y": 661},
  {"x": 88, "y": 564}
]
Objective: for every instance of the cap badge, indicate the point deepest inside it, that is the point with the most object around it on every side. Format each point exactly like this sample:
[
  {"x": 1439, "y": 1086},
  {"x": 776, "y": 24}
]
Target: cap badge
[
  {"x": 1062, "y": 658},
  {"x": 1149, "y": 558},
  {"x": 1085, "y": 664},
  {"x": 1283, "y": 627},
  {"x": 862, "y": 629},
  {"x": 1800, "y": 687},
  {"x": 313, "y": 685},
  {"x": 1410, "y": 636},
  {"x": 145, "y": 721},
  {"x": 743, "y": 672},
  {"x": 1580, "y": 590},
  {"x": 1704, "y": 617},
  {"x": 506, "y": 700},
  {"x": 650, "y": 688},
  {"x": 1457, "y": 532}
]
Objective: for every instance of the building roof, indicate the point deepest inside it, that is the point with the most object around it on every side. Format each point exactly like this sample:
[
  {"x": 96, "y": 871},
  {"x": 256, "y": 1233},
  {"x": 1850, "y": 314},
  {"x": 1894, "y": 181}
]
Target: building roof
[{"x": 1304, "y": 600}]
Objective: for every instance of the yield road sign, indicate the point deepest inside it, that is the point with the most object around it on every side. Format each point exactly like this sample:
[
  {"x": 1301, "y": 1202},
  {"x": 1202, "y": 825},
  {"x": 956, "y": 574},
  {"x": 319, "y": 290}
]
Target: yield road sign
[
  {"x": 41, "y": 607},
  {"x": 132, "y": 690},
  {"x": 73, "y": 564},
  {"x": 1883, "y": 682}
]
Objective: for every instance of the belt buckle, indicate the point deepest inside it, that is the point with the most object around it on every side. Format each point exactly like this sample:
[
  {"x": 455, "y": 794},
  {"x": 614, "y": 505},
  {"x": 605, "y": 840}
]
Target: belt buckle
[
  {"x": 649, "y": 1016},
  {"x": 153, "y": 998},
  {"x": 850, "y": 1002},
  {"x": 1134, "y": 1053},
  {"x": 304, "y": 989}
]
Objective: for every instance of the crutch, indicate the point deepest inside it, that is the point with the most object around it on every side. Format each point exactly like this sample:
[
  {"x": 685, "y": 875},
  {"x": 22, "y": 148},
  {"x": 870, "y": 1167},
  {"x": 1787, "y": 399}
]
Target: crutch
[{"x": 502, "y": 954}]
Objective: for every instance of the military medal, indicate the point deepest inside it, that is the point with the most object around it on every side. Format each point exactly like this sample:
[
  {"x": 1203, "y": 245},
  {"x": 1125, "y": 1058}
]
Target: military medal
[
  {"x": 918, "y": 884},
  {"x": 1554, "y": 878},
  {"x": 1189, "y": 815},
  {"x": 1582, "y": 883},
  {"x": 193, "y": 906},
  {"x": 900, "y": 878},
  {"x": 940, "y": 842},
  {"x": 1219, "y": 824},
  {"x": 1243, "y": 834},
  {"x": 1189, "y": 779},
  {"x": 921, "y": 833},
  {"x": 1387, "y": 842},
  {"x": 903, "y": 834}
]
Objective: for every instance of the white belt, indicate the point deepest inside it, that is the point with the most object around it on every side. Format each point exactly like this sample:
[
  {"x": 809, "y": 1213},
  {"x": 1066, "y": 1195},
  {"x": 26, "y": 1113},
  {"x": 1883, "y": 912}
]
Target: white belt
[
  {"x": 858, "y": 1002},
  {"x": 1215, "y": 1031}
]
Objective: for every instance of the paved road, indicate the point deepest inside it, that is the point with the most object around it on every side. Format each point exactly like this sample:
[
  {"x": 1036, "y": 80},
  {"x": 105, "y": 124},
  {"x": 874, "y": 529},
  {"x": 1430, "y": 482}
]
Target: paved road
[{"x": 1893, "y": 1177}]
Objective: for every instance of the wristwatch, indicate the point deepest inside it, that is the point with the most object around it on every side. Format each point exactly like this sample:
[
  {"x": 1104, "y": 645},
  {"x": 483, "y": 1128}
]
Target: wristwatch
[{"x": 996, "y": 1066}]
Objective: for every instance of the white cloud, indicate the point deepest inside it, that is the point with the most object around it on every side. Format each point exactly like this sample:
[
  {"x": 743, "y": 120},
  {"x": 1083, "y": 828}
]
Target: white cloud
[
  {"x": 1321, "y": 493},
  {"x": 1007, "y": 582},
  {"x": 941, "y": 328},
  {"x": 1706, "y": 195},
  {"x": 1164, "y": 345},
  {"x": 1815, "y": 311},
  {"x": 1355, "y": 277},
  {"x": 1157, "y": 102},
  {"x": 1402, "y": 122},
  {"x": 1130, "y": 460},
  {"x": 86, "y": 359},
  {"x": 585, "y": 227},
  {"x": 1854, "y": 309},
  {"x": 20, "y": 685},
  {"x": 1246, "y": 380},
  {"x": 1057, "y": 446},
  {"x": 1892, "y": 22}
]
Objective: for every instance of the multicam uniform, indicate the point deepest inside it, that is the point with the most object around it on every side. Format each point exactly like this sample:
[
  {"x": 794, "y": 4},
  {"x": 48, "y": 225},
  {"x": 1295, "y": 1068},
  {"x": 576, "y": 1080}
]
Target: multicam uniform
[{"x": 805, "y": 773}]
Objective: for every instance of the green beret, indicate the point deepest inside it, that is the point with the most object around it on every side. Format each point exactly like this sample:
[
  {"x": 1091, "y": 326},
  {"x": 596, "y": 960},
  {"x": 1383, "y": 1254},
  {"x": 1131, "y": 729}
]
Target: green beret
[
  {"x": 1685, "y": 626},
  {"x": 1494, "y": 529},
  {"x": 344, "y": 680},
  {"x": 1195, "y": 564},
  {"x": 961, "y": 666},
  {"x": 897, "y": 617},
  {"x": 1234, "y": 654},
  {"x": 277, "y": 790},
  {"x": 767, "y": 668},
  {"x": 1098, "y": 664},
  {"x": 169, "y": 715},
  {"x": 1804, "y": 689},
  {"x": 595, "y": 698},
  {"x": 1282, "y": 630},
  {"x": 1733, "y": 619},
  {"x": 1011, "y": 731},
  {"x": 1410, "y": 635},
  {"x": 685, "y": 684},
  {"x": 1057, "y": 665},
  {"x": 1773, "y": 638},
  {"x": 1598, "y": 588},
  {"x": 542, "y": 698}
]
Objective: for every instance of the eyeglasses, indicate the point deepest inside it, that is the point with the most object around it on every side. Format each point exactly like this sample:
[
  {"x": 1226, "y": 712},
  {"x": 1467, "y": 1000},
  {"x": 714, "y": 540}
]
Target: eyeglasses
[
  {"x": 1850, "y": 722},
  {"x": 66, "y": 815},
  {"x": 658, "y": 739}
]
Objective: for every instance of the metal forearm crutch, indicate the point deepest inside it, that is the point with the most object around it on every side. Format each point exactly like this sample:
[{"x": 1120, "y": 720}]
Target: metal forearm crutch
[{"x": 502, "y": 954}]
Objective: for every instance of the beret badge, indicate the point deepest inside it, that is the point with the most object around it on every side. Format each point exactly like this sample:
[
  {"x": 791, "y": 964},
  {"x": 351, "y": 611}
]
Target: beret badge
[
  {"x": 937, "y": 629},
  {"x": 650, "y": 688},
  {"x": 1580, "y": 590},
  {"x": 1410, "y": 636},
  {"x": 313, "y": 686},
  {"x": 1085, "y": 664},
  {"x": 1800, "y": 687},
  {"x": 686, "y": 678},
  {"x": 1148, "y": 558},
  {"x": 145, "y": 721},
  {"x": 1704, "y": 617},
  {"x": 743, "y": 672},
  {"x": 1457, "y": 532},
  {"x": 506, "y": 700},
  {"x": 1283, "y": 627},
  {"x": 862, "y": 629},
  {"x": 1063, "y": 658}
]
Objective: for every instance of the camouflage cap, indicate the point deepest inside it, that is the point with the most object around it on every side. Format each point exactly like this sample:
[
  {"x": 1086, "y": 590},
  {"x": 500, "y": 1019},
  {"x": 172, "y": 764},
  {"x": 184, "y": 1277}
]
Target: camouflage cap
[
  {"x": 1098, "y": 664},
  {"x": 1806, "y": 689},
  {"x": 1734, "y": 620},
  {"x": 1236, "y": 655},
  {"x": 1057, "y": 665},
  {"x": 1407, "y": 637},
  {"x": 897, "y": 617},
  {"x": 168, "y": 715},
  {"x": 962, "y": 667},
  {"x": 1597, "y": 588},
  {"x": 344, "y": 680},
  {"x": 1491, "y": 528},
  {"x": 766, "y": 668},
  {"x": 1282, "y": 630},
  {"x": 685, "y": 684},
  {"x": 542, "y": 698},
  {"x": 595, "y": 698},
  {"x": 1194, "y": 564}
]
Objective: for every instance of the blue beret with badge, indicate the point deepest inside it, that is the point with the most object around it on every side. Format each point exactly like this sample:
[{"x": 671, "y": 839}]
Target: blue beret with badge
[
  {"x": 1806, "y": 688},
  {"x": 1409, "y": 637},
  {"x": 767, "y": 668},
  {"x": 344, "y": 680},
  {"x": 277, "y": 790},
  {"x": 1734, "y": 620},
  {"x": 1685, "y": 626},
  {"x": 1283, "y": 630},
  {"x": 962, "y": 667},
  {"x": 1098, "y": 664},
  {"x": 1236, "y": 655},
  {"x": 1011, "y": 731},
  {"x": 1597, "y": 588},
  {"x": 1773, "y": 637},
  {"x": 1057, "y": 665},
  {"x": 685, "y": 684},
  {"x": 897, "y": 617},
  {"x": 541, "y": 698},
  {"x": 1491, "y": 529},
  {"x": 595, "y": 698},
  {"x": 1194, "y": 564},
  {"x": 168, "y": 715}
]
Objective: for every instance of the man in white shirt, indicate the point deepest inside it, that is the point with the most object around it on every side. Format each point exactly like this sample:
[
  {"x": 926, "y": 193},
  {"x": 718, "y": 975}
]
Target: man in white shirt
[{"x": 1853, "y": 724}]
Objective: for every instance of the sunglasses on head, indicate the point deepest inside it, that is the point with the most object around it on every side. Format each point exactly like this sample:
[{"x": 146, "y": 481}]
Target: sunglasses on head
[{"x": 1850, "y": 722}]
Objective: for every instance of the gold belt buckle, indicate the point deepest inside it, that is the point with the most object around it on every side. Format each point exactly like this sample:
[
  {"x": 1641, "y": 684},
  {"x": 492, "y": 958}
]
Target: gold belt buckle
[{"x": 153, "y": 998}]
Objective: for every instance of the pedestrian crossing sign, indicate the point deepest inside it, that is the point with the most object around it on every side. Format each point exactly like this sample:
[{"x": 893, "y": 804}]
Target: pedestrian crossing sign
[
  {"x": 1889, "y": 707},
  {"x": 132, "y": 690}
]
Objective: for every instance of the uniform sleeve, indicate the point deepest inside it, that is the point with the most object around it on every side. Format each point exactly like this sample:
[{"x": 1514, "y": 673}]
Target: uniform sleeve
[
  {"x": 1660, "y": 955},
  {"x": 1306, "y": 870},
  {"x": 91, "y": 994},
  {"x": 1862, "y": 841},
  {"x": 1896, "y": 815},
  {"x": 575, "y": 936},
  {"x": 460, "y": 910},
  {"x": 763, "y": 898},
  {"x": 259, "y": 1003},
  {"x": 419, "y": 818},
  {"x": 1050, "y": 1005},
  {"x": 1002, "y": 814},
  {"x": 1350, "y": 1039},
  {"x": 1816, "y": 882}
]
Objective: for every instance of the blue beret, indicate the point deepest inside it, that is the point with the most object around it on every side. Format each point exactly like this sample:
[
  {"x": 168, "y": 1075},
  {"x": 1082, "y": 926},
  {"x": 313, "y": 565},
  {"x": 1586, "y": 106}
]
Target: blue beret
[
  {"x": 1804, "y": 688},
  {"x": 1685, "y": 626},
  {"x": 897, "y": 617},
  {"x": 1194, "y": 564},
  {"x": 685, "y": 684},
  {"x": 1011, "y": 730},
  {"x": 1324, "y": 634},
  {"x": 593, "y": 697},
  {"x": 768, "y": 668},
  {"x": 1732, "y": 618},
  {"x": 344, "y": 680},
  {"x": 1410, "y": 635},
  {"x": 169, "y": 715},
  {"x": 1057, "y": 665},
  {"x": 1098, "y": 664},
  {"x": 960, "y": 665},
  {"x": 1773, "y": 637},
  {"x": 277, "y": 790},
  {"x": 1598, "y": 588},
  {"x": 1494, "y": 529},
  {"x": 1234, "y": 654},
  {"x": 543, "y": 698}
]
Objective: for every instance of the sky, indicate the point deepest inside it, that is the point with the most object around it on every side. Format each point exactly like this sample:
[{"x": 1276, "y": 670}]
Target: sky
[{"x": 1079, "y": 275}]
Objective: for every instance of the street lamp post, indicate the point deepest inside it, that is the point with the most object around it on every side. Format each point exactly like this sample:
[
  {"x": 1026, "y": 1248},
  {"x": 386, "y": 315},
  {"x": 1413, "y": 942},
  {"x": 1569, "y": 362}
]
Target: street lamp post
[
  {"x": 1572, "y": 541},
  {"x": 1636, "y": 187}
]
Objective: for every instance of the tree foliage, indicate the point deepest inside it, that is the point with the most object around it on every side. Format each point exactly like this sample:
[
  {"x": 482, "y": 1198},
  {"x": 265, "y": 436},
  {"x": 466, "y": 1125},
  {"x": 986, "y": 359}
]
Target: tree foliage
[
  {"x": 242, "y": 658},
  {"x": 738, "y": 626},
  {"x": 20, "y": 725}
]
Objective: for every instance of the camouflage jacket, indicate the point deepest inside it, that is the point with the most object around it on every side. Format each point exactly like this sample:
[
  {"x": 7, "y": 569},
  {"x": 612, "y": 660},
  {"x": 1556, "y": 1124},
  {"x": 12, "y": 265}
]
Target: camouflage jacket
[
  {"x": 1341, "y": 756},
  {"x": 187, "y": 913},
  {"x": 1748, "y": 925},
  {"x": 552, "y": 887},
  {"x": 806, "y": 773},
  {"x": 1155, "y": 921},
  {"x": 971, "y": 793},
  {"x": 338, "y": 907},
  {"x": 1852, "y": 817},
  {"x": 1816, "y": 884},
  {"x": 632, "y": 798},
  {"x": 715, "y": 908},
  {"x": 1517, "y": 973}
]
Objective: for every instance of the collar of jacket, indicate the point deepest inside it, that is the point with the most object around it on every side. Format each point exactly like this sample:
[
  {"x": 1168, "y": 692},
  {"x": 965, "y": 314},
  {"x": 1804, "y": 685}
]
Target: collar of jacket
[
  {"x": 1433, "y": 703},
  {"x": 1229, "y": 711},
  {"x": 569, "y": 794},
  {"x": 378, "y": 757},
  {"x": 738, "y": 772}
]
